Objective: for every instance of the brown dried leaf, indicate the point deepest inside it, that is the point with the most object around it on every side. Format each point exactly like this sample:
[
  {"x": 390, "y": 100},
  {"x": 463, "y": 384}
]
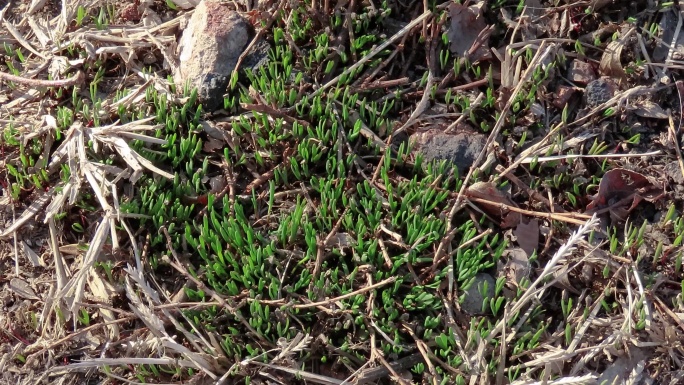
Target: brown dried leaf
[
  {"x": 22, "y": 289},
  {"x": 620, "y": 184},
  {"x": 563, "y": 281},
  {"x": 341, "y": 240},
  {"x": 649, "y": 109},
  {"x": 31, "y": 255},
  {"x": 610, "y": 61},
  {"x": 527, "y": 235},
  {"x": 105, "y": 292},
  {"x": 518, "y": 265},
  {"x": 212, "y": 144},
  {"x": 489, "y": 192},
  {"x": 465, "y": 27}
]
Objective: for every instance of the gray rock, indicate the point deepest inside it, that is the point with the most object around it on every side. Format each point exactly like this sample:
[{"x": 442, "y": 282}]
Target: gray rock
[
  {"x": 673, "y": 170},
  {"x": 460, "y": 148},
  {"x": 472, "y": 299},
  {"x": 580, "y": 72},
  {"x": 257, "y": 56},
  {"x": 209, "y": 49},
  {"x": 668, "y": 26},
  {"x": 599, "y": 91}
]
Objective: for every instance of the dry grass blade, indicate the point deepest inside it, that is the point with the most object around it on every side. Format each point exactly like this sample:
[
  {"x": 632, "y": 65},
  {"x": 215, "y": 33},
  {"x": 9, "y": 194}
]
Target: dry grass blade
[
  {"x": 104, "y": 291},
  {"x": 200, "y": 361},
  {"x": 146, "y": 313},
  {"x": 296, "y": 345},
  {"x": 61, "y": 272},
  {"x": 311, "y": 377},
  {"x": 574, "y": 380},
  {"x": 100, "y": 362},
  {"x": 538, "y": 149},
  {"x": 29, "y": 213},
  {"x": 31, "y": 255},
  {"x": 75, "y": 79},
  {"x": 567, "y": 247},
  {"x": 678, "y": 150},
  {"x": 96, "y": 178},
  {"x": 76, "y": 284},
  {"x": 20, "y": 38},
  {"x": 542, "y": 159}
]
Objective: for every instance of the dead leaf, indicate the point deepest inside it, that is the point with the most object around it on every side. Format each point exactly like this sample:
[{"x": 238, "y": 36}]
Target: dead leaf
[
  {"x": 72, "y": 249},
  {"x": 186, "y": 4},
  {"x": 466, "y": 26},
  {"x": 623, "y": 185},
  {"x": 610, "y": 61},
  {"x": 649, "y": 109},
  {"x": 563, "y": 95},
  {"x": 563, "y": 281},
  {"x": 212, "y": 144},
  {"x": 22, "y": 289},
  {"x": 105, "y": 292},
  {"x": 218, "y": 184},
  {"x": 527, "y": 235},
  {"x": 488, "y": 191},
  {"x": 518, "y": 265},
  {"x": 341, "y": 241},
  {"x": 31, "y": 255}
]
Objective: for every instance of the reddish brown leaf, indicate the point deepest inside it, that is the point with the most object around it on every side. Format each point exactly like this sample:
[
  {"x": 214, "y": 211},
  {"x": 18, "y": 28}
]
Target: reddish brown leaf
[
  {"x": 627, "y": 186},
  {"x": 527, "y": 235},
  {"x": 489, "y": 192},
  {"x": 518, "y": 266},
  {"x": 211, "y": 145},
  {"x": 466, "y": 26}
]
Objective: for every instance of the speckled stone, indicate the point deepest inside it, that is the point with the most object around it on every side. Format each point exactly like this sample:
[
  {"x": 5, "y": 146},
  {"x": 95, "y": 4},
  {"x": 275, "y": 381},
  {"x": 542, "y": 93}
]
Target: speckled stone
[
  {"x": 599, "y": 91},
  {"x": 209, "y": 49},
  {"x": 472, "y": 300},
  {"x": 460, "y": 148}
]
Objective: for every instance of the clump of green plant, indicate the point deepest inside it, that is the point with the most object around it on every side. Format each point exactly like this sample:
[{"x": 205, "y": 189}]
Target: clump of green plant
[{"x": 309, "y": 223}]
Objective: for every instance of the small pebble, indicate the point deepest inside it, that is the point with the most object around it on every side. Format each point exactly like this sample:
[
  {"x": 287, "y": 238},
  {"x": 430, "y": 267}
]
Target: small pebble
[
  {"x": 599, "y": 91},
  {"x": 472, "y": 300}
]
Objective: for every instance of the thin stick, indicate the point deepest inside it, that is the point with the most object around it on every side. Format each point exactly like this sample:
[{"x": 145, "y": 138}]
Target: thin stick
[
  {"x": 374, "y": 52},
  {"x": 541, "y": 159},
  {"x": 563, "y": 217},
  {"x": 76, "y": 79},
  {"x": 353, "y": 293}
]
